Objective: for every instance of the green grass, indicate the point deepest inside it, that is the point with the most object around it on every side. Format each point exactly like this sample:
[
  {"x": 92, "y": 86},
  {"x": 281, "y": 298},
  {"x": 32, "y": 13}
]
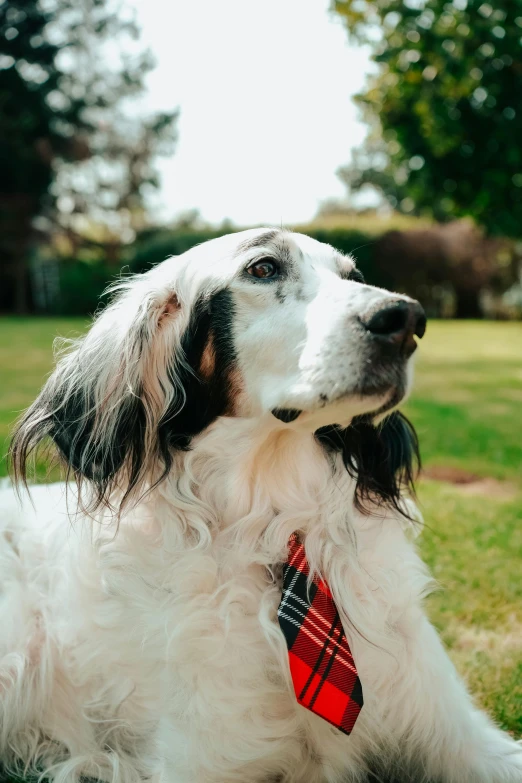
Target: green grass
[
  {"x": 26, "y": 358},
  {"x": 466, "y": 407}
]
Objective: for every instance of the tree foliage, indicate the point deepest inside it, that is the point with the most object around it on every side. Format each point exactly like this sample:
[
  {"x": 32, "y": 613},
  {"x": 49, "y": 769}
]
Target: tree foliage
[
  {"x": 71, "y": 145},
  {"x": 444, "y": 107}
]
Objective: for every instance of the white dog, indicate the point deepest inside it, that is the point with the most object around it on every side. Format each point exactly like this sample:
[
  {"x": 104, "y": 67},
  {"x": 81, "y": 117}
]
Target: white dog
[{"x": 227, "y": 399}]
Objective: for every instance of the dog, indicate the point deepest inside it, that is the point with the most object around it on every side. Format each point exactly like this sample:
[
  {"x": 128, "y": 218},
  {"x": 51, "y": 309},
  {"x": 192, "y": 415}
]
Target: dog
[{"x": 225, "y": 401}]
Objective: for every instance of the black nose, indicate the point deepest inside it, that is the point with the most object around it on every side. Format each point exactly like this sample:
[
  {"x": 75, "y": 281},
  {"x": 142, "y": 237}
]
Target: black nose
[{"x": 397, "y": 324}]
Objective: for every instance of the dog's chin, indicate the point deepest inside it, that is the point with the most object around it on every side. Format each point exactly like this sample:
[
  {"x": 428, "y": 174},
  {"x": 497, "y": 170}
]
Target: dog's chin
[{"x": 341, "y": 412}]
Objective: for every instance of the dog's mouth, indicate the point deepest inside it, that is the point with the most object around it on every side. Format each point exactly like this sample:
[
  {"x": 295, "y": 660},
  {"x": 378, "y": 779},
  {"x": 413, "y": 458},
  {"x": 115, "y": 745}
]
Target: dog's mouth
[
  {"x": 286, "y": 415},
  {"x": 340, "y": 412},
  {"x": 371, "y": 399}
]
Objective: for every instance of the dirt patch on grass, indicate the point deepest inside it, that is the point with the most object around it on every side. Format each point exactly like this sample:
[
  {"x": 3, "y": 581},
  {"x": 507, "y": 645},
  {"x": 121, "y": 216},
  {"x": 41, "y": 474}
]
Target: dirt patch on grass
[
  {"x": 450, "y": 474},
  {"x": 481, "y": 640},
  {"x": 497, "y": 409},
  {"x": 514, "y": 395},
  {"x": 470, "y": 483}
]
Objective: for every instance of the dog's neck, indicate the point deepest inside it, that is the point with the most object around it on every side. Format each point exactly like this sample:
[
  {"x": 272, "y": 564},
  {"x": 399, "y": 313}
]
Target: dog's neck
[
  {"x": 231, "y": 503},
  {"x": 250, "y": 484}
]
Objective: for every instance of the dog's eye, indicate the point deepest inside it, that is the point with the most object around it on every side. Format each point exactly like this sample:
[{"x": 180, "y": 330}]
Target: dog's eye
[
  {"x": 264, "y": 269},
  {"x": 355, "y": 276}
]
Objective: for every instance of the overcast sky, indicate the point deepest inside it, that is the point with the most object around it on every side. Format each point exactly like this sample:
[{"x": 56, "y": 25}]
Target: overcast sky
[{"x": 264, "y": 90}]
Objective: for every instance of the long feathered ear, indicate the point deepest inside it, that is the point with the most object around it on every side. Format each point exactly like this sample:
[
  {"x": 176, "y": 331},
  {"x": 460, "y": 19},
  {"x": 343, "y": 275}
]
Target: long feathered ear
[
  {"x": 104, "y": 401},
  {"x": 384, "y": 459}
]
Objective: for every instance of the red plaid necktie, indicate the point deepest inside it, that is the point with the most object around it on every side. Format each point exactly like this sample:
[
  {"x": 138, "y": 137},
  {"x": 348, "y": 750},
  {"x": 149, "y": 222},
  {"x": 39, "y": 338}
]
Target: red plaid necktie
[{"x": 321, "y": 664}]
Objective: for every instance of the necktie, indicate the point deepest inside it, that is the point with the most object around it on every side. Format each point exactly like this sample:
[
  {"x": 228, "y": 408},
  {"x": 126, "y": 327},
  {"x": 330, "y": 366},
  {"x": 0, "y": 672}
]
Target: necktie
[{"x": 321, "y": 664}]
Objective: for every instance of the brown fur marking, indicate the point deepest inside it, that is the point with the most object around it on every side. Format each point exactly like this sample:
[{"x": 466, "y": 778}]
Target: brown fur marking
[{"x": 207, "y": 364}]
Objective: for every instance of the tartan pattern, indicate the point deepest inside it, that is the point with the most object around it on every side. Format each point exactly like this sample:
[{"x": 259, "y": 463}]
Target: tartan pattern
[{"x": 322, "y": 667}]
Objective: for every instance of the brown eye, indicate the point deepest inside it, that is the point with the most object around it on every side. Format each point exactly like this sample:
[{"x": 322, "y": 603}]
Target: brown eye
[{"x": 264, "y": 269}]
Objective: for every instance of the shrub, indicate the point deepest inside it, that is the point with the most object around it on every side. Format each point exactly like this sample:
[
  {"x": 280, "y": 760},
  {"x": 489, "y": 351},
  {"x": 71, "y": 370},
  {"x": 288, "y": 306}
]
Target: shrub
[
  {"x": 152, "y": 248},
  {"x": 81, "y": 285}
]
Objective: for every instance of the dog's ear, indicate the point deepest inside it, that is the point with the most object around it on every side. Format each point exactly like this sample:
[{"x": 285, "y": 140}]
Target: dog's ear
[
  {"x": 205, "y": 373},
  {"x": 107, "y": 395},
  {"x": 383, "y": 459}
]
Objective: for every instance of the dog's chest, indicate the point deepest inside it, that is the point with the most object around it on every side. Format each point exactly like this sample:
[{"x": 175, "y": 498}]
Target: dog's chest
[
  {"x": 195, "y": 612},
  {"x": 211, "y": 613},
  {"x": 201, "y": 637},
  {"x": 229, "y": 611}
]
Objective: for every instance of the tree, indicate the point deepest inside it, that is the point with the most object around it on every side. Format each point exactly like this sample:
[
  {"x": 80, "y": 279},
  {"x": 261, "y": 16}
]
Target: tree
[
  {"x": 69, "y": 145},
  {"x": 444, "y": 107}
]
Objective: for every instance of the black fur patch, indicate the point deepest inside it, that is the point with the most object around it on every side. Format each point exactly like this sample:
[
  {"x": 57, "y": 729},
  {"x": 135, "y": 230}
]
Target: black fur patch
[
  {"x": 384, "y": 459},
  {"x": 205, "y": 399},
  {"x": 70, "y": 422},
  {"x": 354, "y": 275},
  {"x": 71, "y": 430}
]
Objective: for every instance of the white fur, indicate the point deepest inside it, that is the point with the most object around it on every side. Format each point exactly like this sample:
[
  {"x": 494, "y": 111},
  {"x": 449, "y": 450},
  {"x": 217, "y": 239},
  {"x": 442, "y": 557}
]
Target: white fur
[{"x": 145, "y": 646}]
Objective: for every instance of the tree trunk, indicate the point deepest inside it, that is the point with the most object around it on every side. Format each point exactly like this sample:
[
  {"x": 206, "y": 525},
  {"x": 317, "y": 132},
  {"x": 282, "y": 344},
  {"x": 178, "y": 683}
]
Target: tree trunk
[
  {"x": 16, "y": 235},
  {"x": 16, "y": 212}
]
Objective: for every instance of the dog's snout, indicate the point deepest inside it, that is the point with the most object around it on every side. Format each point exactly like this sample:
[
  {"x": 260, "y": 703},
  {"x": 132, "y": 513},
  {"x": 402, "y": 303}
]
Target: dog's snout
[{"x": 397, "y": 323}]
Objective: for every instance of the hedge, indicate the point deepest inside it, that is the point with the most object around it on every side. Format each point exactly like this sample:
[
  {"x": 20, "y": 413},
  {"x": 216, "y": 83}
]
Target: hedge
[{"x": 81, "y": 286}]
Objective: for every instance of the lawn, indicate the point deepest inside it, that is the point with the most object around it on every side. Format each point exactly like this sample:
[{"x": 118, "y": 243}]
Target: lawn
[{"x": 467, "y": 409}]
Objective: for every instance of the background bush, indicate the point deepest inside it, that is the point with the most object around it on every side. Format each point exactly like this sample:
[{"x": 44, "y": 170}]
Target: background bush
[{"x": 81, "y": 285}]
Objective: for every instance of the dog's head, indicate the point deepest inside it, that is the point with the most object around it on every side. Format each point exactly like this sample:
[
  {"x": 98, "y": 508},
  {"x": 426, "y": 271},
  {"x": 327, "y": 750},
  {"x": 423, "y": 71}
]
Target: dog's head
[{"x": 262, "y": 323}]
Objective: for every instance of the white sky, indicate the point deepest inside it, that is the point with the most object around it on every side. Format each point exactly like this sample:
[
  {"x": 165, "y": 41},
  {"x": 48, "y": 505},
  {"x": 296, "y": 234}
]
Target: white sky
[{"x": 265, "y": 92}]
